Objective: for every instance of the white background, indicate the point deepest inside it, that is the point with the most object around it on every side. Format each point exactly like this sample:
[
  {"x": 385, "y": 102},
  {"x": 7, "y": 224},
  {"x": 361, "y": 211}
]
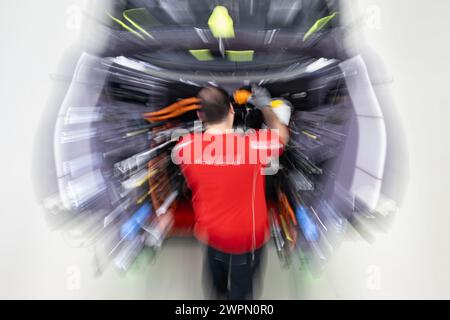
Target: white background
[{"x": 411, "y": 261}]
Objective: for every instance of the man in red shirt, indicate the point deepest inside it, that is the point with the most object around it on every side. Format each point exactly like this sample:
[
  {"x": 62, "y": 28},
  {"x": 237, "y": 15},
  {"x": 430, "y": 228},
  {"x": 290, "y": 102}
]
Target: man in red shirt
[{"x": 225, "y": 170}]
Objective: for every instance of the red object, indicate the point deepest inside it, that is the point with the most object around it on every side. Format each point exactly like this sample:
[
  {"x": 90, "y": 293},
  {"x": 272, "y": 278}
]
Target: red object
[
  {"x": 224, "y": 171},
  {"x": 183, "y": 219}
]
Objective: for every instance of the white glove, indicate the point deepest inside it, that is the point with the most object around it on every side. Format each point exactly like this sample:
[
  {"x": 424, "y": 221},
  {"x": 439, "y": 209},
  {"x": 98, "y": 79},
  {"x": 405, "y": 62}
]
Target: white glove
[{"x": 260, "y": 97}]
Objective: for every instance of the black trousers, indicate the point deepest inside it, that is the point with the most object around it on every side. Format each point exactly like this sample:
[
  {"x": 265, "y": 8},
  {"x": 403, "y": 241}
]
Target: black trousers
[{"x": 232, "y": 275}]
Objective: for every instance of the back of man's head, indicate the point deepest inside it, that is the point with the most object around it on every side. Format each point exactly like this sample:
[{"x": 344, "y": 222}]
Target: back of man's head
[{"x": 215, "y": 104}]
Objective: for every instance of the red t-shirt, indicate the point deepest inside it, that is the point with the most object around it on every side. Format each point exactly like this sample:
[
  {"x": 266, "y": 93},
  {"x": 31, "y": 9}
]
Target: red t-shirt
[{"x": 226, "y": 175}]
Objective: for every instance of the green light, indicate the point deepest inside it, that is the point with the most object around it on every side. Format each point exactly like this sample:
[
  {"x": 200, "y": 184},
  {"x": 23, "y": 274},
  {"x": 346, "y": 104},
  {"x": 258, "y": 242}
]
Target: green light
[
  {"x": 220, "y": 23},
  {"x": 240, "y": 56},
  {"x": 318, "y": 25},
  {"x": 202, "y": 54},
  {"x": 125, "y": 26},
  {"x": 138, "y": 17}
]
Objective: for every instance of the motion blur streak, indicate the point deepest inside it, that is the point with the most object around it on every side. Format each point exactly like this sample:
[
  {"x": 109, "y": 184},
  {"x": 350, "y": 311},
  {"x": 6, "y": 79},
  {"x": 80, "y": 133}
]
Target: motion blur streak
[{"x": 115, "y": 189}]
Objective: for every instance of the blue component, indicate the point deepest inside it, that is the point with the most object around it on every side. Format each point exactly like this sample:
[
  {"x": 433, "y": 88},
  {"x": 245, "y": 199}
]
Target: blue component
[
  {"x": 130, "y": 229},
  {"x": 308, "y": 227}
]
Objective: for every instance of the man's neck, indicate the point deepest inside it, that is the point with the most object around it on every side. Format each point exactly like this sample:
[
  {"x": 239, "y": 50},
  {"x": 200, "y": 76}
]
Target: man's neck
[{"x": 219, "y": 128}]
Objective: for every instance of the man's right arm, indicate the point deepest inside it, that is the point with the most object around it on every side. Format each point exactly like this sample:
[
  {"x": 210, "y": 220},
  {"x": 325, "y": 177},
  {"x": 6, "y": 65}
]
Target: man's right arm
[
  {"x": 272, "y": 122},
  {"x": 261, "y": 99}
]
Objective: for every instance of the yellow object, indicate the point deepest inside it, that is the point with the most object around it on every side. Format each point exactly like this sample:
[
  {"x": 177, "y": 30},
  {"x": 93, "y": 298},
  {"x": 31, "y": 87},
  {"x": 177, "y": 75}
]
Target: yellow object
[
  {"x": 202, "y": 54},
  {"x": 282, "y": 108},
  {"x": 276, "y": 103},
  {"x": 319, "y": 25},
  {"x": 241, "y": 96},
  {"x": 309, "y": 135},
  {"x": 141, "y": 199},
  {"x": 131, "y": 15},
  {"x": 240, "y": 56},
  {"x": 286, "y": 229},
  {"x": 220, "y": 23},
  {"x": 125, "y": 26}
]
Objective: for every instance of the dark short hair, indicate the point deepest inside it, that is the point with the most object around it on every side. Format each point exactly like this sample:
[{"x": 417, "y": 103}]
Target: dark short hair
[{"x": 215, "y": 104}]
